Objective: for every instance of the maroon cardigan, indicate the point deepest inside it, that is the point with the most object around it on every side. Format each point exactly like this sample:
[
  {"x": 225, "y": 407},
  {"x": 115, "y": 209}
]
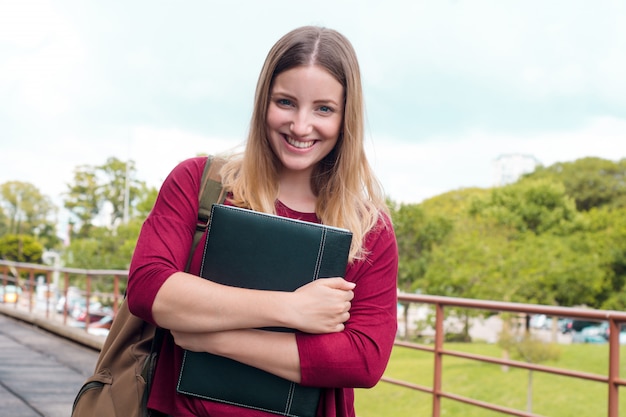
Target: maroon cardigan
[{"x": 338, "y": 362}]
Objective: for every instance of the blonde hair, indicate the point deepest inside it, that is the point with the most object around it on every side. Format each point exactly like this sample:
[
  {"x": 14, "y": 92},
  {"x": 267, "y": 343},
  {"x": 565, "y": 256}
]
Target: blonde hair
[{"x": 348, "y": 193}]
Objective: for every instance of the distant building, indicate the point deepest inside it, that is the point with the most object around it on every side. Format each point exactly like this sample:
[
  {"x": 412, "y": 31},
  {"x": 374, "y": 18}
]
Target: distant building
[{"x": 510, "y": 167}]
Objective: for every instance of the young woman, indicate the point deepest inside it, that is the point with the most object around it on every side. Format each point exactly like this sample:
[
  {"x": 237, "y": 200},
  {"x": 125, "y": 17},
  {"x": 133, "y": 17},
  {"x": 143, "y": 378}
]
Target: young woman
[{"x": 304, "y": 159}]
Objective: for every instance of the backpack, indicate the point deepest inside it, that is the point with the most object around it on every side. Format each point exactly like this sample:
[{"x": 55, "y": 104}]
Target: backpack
[{"x": 122, "y": 379}]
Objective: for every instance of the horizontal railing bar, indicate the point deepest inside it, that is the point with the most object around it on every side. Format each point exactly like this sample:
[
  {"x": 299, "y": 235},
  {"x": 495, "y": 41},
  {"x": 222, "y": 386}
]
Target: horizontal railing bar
[
  {"x": 406, "y": 384},
  {"x": 509, "y": 362},
  {"x": 80, "y": 271},
  {"x": 470, "y": 401},
  {"x": 527, "y": 365},
  {"x": 571, "y": 312},
  {"x": 488, "y": 406}
]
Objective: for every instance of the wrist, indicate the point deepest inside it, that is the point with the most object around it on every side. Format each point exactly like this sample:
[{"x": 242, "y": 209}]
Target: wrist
[{"x": 283, "y": 311}]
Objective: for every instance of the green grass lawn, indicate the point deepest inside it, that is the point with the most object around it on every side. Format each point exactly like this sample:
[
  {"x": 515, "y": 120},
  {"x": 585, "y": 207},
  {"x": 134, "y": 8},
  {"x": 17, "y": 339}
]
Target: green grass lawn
[{"x": 553, "y": 396}]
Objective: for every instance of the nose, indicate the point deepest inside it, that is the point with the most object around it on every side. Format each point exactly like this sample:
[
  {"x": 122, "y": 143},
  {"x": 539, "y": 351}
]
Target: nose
[{"x": 301, "y": 125}]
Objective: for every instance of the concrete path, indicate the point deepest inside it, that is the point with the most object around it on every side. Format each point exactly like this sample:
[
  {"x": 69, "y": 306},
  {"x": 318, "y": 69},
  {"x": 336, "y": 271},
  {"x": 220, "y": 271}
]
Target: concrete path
[{"x": 40, "y": 373}]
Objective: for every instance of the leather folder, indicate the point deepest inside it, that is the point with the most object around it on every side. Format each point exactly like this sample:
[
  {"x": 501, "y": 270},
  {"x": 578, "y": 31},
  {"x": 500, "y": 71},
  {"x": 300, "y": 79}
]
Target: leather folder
[{"x": 261, "y": 251}]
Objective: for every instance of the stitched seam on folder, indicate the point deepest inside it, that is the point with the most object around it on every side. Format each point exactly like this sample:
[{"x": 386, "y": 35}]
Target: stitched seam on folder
[
  {"x": 320, "y": 252},
  {"x": 182, "y": 366},
  {"x": 206, "y": 397},
  {"x": 292, "y": 388}
]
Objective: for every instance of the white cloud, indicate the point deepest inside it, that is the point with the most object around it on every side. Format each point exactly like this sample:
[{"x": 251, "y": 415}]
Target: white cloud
[{"x": 42, "y": 60}]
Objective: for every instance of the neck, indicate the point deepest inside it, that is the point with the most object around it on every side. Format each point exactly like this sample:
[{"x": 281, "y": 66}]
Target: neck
[{"x": 295, "y": 192}]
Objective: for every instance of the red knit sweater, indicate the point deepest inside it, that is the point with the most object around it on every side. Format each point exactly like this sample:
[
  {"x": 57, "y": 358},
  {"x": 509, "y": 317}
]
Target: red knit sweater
[{"x": 338, "y": 362}]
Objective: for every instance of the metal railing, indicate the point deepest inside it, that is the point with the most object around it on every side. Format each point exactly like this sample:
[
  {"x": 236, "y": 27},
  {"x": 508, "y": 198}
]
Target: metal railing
[
  {"x": 57, "y": 281},
  {"x": 27, "y": 275},
  {"x": 612, "y": 379}
]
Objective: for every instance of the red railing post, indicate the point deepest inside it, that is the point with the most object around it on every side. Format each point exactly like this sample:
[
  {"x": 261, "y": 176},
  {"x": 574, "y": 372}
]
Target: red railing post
[
  {"x": 31, "y": 287},
  {"x": 438, "y": 358},
  {"x": 66, "y": 282},
  {"x": 87, "y": 297},
  {"x": 614, "y": 353},
  {"x": 47, "y": 294}
]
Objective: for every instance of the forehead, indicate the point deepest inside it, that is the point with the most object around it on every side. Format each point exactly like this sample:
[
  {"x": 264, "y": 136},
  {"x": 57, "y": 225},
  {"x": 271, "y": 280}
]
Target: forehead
[{"x": 309, "y": 78}]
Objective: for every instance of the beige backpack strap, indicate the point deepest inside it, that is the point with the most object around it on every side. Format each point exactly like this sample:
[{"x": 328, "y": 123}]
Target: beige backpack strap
[{"x": 211, "y": 192}]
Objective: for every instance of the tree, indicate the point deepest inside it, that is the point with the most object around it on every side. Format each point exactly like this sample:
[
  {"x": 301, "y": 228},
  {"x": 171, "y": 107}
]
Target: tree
[
  {"x": 4, "y": 221},
  {"x": 83, "y": 197},
  {"x": 524, "y": 242},
  {"x": 119, "y": 188},
  {"x": 104, "y": 248},
  {"x": 530, "y": 205},
  {"x": 416, "y": 234},
  {"x": 26, "y": 211},
  {"x": 591, "y": 182},
  {"x": 605, "y": 229},
  {"x": 421, "y": 229},
  {"x": 108, "y": 186},
  {"x": 20, "y": 248},
  {"x": 145, "y": 201}
]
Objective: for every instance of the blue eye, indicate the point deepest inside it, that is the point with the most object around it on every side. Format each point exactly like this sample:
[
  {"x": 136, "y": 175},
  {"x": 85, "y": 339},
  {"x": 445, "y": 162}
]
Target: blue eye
[
  {"x": 284, "y": 102},
  {"x": 326, "y": 109}
]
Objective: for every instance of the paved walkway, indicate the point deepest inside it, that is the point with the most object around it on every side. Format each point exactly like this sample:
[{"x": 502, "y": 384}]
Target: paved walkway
[{"x": 40, "y": 373}]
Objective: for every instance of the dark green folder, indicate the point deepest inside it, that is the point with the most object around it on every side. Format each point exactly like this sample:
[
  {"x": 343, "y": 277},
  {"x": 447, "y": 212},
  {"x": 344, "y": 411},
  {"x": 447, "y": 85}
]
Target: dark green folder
[{"x": 255, "y": 250}]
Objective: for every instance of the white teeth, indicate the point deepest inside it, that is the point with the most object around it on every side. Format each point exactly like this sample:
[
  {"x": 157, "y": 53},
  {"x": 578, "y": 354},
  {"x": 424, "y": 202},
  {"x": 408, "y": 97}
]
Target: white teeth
[{"x": 299, "y": 144}]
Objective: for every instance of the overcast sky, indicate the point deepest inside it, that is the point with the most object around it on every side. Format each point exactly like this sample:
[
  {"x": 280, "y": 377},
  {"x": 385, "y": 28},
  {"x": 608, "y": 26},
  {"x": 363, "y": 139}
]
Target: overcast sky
[{"x": 450, "y": 85}]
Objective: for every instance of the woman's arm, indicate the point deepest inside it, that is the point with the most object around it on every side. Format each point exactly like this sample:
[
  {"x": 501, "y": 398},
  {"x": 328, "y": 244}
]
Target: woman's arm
[
  {"x": 194, "y": 305},
  {"x": 274, "y": 352}
]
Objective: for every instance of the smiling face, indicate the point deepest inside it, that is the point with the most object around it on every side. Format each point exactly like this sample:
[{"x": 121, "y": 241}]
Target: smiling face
[{"x": 304, "y": 117}]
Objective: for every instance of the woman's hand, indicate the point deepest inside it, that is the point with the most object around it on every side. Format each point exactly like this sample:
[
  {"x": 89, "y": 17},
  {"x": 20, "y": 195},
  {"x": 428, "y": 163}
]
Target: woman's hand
[{"x": 322, "y": 306}]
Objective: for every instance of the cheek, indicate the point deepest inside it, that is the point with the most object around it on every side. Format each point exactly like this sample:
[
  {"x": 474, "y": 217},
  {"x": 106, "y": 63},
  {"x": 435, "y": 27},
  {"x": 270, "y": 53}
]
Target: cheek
[
  {"x": 331, "y": 129},
  {"x": 275, "y": 118}
]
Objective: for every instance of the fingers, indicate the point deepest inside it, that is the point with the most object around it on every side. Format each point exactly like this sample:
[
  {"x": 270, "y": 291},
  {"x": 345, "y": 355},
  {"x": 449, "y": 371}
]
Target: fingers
[
  {"x": 323, "y": 305},
  {"x": 338, "y": 283}
]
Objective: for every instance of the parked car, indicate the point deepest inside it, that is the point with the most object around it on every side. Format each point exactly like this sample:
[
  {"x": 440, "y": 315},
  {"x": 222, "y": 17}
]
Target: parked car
[
  {"x": 579, "y": 325},
  {"x": 74, "y": 297},
  {"x": 96, "y": 313},
  {"x": 9, "y": 293},
  {"x": 102, "y": 326},
  {"x": 595, "y": 333},
  {"x": 542, "y": 321},
  {"x": 598, "y": 333}
]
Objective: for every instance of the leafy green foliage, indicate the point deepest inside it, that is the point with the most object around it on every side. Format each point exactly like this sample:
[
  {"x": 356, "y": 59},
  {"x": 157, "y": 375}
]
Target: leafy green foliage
[
  {"x": 109, "y": 186},
  {"x": 591, "y": 182},
  {"x": 525, "y": 242},
  {"x": 83, "y": 198},
  {"x": 26, "y": 228},
  {"x": 20, "y": 248},
  {"x": 535, "y": 206},
  {"x": 105, "y": 248}
]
